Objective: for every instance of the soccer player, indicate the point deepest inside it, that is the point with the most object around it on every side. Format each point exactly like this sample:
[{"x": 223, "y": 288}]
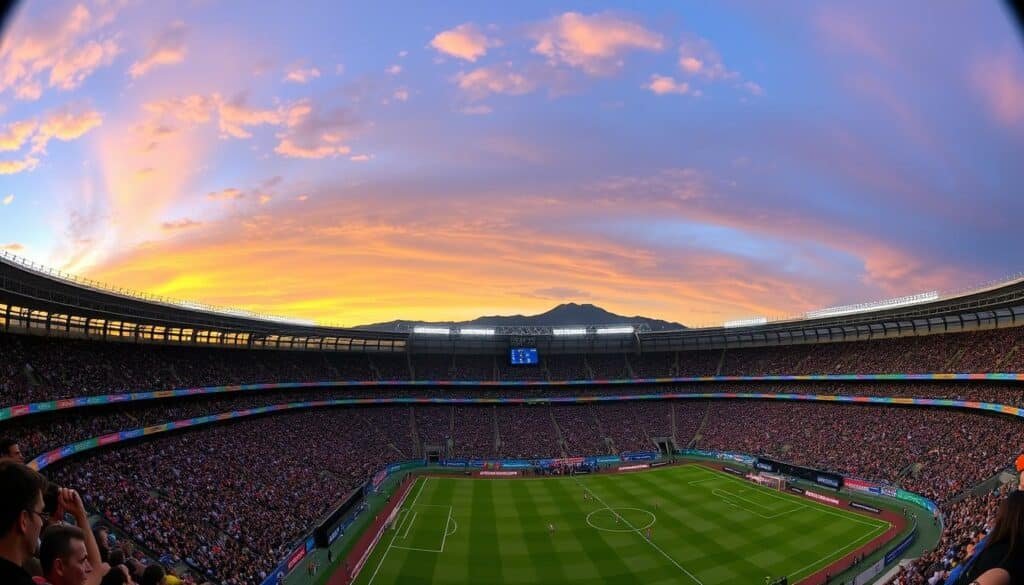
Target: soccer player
[{"x": 551, "y": 528}]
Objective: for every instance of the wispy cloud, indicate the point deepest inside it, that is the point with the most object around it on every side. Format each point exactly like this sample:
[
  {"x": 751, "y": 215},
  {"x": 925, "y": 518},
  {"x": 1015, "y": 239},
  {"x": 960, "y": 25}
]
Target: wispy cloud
[
  {"x": 180, "y": 224},
  {"x": 300, "y": 75},
  {"x": 496, "y": 79},
  {"x": 999, "y": 81},
  {"x": 168, "y": 48}
]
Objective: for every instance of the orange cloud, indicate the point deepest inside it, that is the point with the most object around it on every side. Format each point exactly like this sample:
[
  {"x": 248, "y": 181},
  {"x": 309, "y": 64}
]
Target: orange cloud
[
  {"x": 357, "y": 270},
  {"x": 11, "y": 167},
  {"x": 16, "y": 134},
  {"x": 167, "y": 49},
  {"x": 290, "y": 149},
  {"x": 593, "y": 43},
  {"x": 464, "y": 42},
  {"x": 72, "y": 67},
  {"x": 65, "y": 124},
  {"x": 663, "y": 85},
  {"x": 12, "y": 247},
  {"x": 226, "y": 194}
]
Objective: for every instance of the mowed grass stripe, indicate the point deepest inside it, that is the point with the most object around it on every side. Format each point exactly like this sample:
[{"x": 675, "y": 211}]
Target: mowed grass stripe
[
  {"x": 602, "y": 550},
  {"x": 534, "y": 538},
  {"x": 722, "y": 539},
  {"x": 721, "y": 529},
  {"x": 484, "y": 557}
]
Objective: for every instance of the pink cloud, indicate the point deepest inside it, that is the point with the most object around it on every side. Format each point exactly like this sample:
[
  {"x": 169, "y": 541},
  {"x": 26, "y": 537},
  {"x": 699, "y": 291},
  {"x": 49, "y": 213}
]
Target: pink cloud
[
  {"x": 663, "y": 85},
  {"x": 999, "y": 82},
  {"x": 465, "y": 41},
  {"x": 496, "y": 79},
  {"x": 229, "y": 194},
  {"x": 697, "y": 57},
  {"x": 167, "y": 49},
  {"x": 72, "y": 67},
  {"x": 287, "y": 147},
  {"x": 180, "y": 224},
  {"x": 844, "y": 29},
  {"x": 300, "y": 75},
  {"x": 594, "y": 43}
]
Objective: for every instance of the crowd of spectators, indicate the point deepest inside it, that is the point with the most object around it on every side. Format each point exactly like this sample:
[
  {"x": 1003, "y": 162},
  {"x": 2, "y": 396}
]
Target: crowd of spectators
[
  {"x": 938, "y": 453},
  {"x": 966, "y": 523},
  {"x": 193, "y": 497},
  {"x": 35, "y": 369}
]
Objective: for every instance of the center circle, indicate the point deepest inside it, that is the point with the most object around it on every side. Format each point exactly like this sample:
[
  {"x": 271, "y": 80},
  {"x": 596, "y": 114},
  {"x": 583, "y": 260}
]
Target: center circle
[{"x": 629, "y": 519}]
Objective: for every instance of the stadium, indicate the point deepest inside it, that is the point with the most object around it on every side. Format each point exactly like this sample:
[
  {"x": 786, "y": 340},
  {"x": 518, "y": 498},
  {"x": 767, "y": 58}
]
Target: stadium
[
  {"x": 243, "y": 450},
  {"x": 565, "y": 293}
]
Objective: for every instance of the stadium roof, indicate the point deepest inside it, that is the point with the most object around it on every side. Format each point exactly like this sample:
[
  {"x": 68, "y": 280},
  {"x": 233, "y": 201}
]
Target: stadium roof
[{"x": 32, "y": 287}]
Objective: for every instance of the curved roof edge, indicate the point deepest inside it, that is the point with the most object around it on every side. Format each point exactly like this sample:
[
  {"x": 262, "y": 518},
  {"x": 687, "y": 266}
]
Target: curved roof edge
[{"x": 20, "y": 277}]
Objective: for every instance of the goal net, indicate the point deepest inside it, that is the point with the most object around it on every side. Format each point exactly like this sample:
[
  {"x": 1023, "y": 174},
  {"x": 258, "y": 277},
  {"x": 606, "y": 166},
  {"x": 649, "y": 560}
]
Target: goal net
[{"x": 771, "y": 480}]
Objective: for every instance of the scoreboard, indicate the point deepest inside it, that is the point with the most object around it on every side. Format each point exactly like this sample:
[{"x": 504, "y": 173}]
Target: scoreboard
[{"x": 523, "y": 356}]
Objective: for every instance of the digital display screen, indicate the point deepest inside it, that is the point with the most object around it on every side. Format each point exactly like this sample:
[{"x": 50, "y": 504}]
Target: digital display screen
[{"x": 524, "y": 356}]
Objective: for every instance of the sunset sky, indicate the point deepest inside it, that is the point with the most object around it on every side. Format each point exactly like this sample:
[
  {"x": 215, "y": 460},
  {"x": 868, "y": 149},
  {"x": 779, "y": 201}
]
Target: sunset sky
[{"x": 353, "y": 162}]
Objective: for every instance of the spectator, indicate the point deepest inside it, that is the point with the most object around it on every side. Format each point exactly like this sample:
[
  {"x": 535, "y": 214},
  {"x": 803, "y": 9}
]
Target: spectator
[
  {"x": 21, "y": 520},
  {"x": 64, "y": 557},
  {"x": 9, "y": 450},
  {"x": 153, "y": 575},
  {"x": 1001, "y": 561}
]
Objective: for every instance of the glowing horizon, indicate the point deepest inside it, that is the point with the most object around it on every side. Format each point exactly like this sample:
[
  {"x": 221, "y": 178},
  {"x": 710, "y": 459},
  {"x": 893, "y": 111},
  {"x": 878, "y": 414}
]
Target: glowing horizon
[{"x": 694, "y": 164}]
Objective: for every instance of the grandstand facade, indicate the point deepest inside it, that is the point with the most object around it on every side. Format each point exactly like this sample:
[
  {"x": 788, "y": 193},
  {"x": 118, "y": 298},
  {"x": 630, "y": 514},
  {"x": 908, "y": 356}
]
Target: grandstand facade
[{"x": 924, "y": 397}]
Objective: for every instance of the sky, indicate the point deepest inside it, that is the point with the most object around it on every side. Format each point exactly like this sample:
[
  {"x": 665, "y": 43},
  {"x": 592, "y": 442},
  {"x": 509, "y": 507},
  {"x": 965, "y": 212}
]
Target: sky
[{"x": 357, "y": 162}]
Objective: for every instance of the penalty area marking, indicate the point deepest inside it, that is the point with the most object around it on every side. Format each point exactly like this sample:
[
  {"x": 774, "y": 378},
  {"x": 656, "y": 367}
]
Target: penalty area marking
[{"x": 615, "y": 512}]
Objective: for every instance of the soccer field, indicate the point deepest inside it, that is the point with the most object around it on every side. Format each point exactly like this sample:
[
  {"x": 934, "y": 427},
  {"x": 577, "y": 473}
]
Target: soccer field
[{"x": 705, "y": 527}]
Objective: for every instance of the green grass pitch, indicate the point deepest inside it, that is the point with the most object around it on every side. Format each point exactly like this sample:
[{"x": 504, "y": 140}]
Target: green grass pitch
[{"x": 706, "y": 527}]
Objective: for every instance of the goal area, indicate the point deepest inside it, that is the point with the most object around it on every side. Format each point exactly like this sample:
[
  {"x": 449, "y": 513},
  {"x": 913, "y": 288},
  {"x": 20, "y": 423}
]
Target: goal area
[{"x": 771, "y": 480}]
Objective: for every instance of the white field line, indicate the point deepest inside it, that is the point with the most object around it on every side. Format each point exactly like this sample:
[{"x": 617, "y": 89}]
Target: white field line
[
  {"x": 444, "y": 538},
  {"x": 842, "y": 550},
  {"x": 635, "y": 529},
  {"x": 393, "y": 537},
  {"x": 822, "y": 508},
  {"x": 402, "y": 517},
  {"x": 409, "y": 525},
  {"x": 727, "y": 497},
  {"x": 433, "y": 550}
]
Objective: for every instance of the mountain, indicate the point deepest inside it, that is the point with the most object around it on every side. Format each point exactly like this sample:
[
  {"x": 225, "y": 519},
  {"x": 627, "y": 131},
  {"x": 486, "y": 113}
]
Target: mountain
[{"x": 564, "y": 314}]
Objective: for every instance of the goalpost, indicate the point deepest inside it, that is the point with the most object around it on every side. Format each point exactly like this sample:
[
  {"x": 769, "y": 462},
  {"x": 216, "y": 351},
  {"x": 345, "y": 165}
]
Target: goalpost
[{"x": 771, "y": 480}]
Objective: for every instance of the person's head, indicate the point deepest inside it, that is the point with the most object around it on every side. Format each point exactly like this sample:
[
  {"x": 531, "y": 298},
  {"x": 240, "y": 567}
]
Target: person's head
[
  {"x": 63, "y": 556},
  {"x": 21, "y": 509},
  {"x": 51, "y": 502},
  {"x": 116, "y": 557},
  {"x": 1009, "y": 525},
  {"x": 9, "y": 449},
  {"x": 117, "y": 575},
  {"x": 153, "y": 575},
  {"x": 102, "y": 541}
]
